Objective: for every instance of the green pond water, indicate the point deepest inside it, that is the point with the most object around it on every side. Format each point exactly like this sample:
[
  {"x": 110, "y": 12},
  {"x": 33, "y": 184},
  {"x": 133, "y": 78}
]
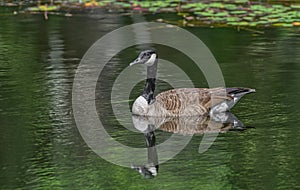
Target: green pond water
[{"x": 41, "y": 147}]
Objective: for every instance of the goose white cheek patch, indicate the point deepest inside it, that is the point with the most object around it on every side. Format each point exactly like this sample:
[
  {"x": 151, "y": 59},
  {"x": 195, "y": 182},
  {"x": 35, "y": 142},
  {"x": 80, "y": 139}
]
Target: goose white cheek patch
[{"x": 151, "y": 60}]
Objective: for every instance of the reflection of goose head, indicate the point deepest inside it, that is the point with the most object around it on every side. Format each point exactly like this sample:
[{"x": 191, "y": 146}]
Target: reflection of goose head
[
  {"x": 181, "y": 101},
  {"x": 147, "y": 171}
]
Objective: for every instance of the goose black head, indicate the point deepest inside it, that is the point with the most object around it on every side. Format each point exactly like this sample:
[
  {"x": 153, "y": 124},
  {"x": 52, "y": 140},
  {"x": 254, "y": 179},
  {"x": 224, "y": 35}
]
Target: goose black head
[{"x": 147, "y": 57}]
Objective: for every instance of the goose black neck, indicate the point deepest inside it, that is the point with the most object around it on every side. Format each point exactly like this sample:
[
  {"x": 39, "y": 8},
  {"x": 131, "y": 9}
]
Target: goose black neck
[{"x": 148, "y": 92}]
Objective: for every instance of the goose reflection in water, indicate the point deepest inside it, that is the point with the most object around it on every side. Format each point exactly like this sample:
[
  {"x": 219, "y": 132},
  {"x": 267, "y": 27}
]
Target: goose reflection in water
[
  {"x": 150, "y": 169},
  {"x": 217, "y": 123}
]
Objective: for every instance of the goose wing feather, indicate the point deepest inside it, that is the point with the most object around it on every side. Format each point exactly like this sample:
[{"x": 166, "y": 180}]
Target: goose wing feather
[{"x": 189, "y": 101}]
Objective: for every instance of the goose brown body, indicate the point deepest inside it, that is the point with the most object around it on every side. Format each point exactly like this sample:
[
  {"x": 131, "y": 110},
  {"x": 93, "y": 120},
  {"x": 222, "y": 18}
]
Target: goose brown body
[
  {"x": 187, "y": 101},
  {"x": 190, "y": 101}
]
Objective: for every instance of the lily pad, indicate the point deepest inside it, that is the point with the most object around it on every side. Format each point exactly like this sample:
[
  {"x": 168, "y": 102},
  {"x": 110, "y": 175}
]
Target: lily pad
[
  {"x": 257, "y": 7},
  {"x": 153, "y": 9},
  {"x": 216, "y": 5},
  {"x": 248, "y": 18},
  {"x": 218, "y": 19},
  {"x": 173, "y": 5},
  {"x": 259, "y": 13},
  {"x": 43, "y": 8},
  {"x": 124, "y": 5},
  {"x": 221, "y": 14},
  {"x": 295, "y": 6},
  {"x": 238, "y": 12},
  {"x": 145, "y": 4},
  {"x": 205, "y": 14},
  {"x": 263, "y": 22},
  {"x": 252, "y": 15},
  {"x": 271, "y": 16},
  {"x": 233, "y": 19},
  {"x": 188, "y": 6},
  {"x": 278, "y": 6},
  {"x": 279, "y": 24},
  {"x": 241, "y": 1},
  {"x": 233, "y": 23},
  {"x": 253, "y": 24},
  {"x": 230, "y": 6},
  {"x": 273, "y": 20},
  {"x": 160, "y": 4},
  {"x": 199, "y": 8},
  {"x": 287, "y": 25},
  {"x": 244, "y": 23}
]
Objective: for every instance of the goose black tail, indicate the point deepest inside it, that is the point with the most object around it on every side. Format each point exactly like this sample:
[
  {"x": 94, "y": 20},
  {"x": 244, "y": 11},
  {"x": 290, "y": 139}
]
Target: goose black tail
[{"x": 239, "y": 92}]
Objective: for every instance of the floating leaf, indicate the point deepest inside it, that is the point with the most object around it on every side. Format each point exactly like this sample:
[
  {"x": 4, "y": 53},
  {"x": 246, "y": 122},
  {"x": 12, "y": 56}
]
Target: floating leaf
[
  {"x": 271, "y": 16},
  {"x": 295, "y": 6},
  {"x": 233, "y": 23},
  {"x": 232, "y": 19},
  {"x": 124, "y": 5},
  {"x": 287, "y": 25},
  {"x": 199, "y": 8},
  {"x": 44, "y": 8},
  {"x": 243, "y": 23},
  {"x": 188, "y": 6},
  {"x": 259, "y": 13},
  {"x": 145, "y": 4},
  {"x": 278, "y": 6},
  {"x": 257, "y": 7},
  {"x": 218, "y": 19},
  {"x": 216, "y": 5},
  {"x": 221, "y": 14},
  {"x": 205, "y": 14},
  {"x": 241, "y": 1},
  {"x": 253, "y": 24},
  {"x": 279, "y": 24},
  {"x": 248, "y": 18},
  {"x": 153, "y": 9},
  {"x": 238, "y": 12},
  {"x": 173, "y": 5},
  {"x": 262, "y": 22},
  {"x": 33, "y": 9},
  {"x": 273, "y": 20},
  {"x": 230, "y": 6}
]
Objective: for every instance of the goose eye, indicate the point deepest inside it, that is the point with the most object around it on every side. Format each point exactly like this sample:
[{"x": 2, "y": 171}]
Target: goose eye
[{"x": 146, "y": 55}]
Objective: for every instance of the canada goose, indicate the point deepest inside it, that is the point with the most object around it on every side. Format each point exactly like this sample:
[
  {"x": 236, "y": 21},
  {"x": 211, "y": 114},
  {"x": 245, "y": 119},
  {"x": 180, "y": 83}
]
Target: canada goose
[{"x": 181, "y": 101}]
